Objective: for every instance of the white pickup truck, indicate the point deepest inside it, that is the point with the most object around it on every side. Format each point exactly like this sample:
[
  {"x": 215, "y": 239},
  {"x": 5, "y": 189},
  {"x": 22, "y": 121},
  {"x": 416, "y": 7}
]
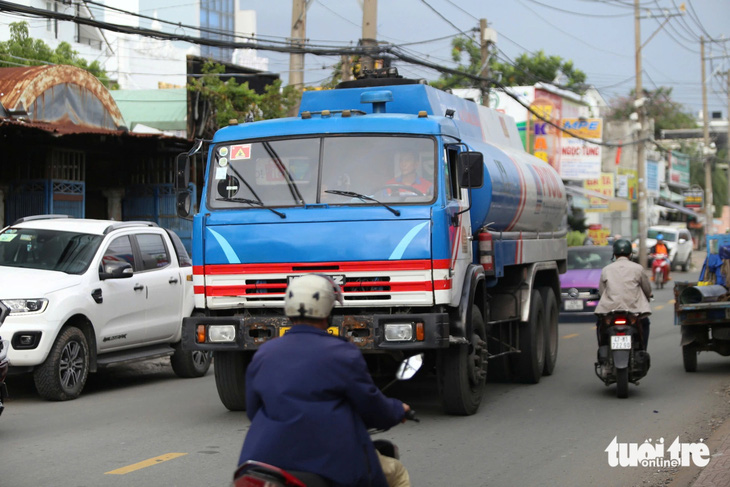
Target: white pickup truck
[{"x": 83, "y": 294}]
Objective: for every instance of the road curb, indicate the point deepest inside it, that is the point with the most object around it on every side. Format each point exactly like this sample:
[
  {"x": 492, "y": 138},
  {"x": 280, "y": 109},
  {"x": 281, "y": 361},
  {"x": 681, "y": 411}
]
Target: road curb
[{"x": 717, "y": 472}]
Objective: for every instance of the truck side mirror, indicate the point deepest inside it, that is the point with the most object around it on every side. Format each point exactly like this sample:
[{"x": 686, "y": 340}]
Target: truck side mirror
[
  {"x": 471, "y": 169},
  {"x": 182, "y": 172},
  {"x": 184, "y": 204}
]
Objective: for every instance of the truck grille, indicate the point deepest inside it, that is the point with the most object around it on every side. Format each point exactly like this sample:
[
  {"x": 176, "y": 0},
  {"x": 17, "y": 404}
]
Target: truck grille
[{"x": 387, "y": 283}]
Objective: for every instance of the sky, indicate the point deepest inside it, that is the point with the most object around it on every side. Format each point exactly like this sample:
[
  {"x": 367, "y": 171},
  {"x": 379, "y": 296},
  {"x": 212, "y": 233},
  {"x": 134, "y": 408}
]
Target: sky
[{"x": 597, "y": 35}]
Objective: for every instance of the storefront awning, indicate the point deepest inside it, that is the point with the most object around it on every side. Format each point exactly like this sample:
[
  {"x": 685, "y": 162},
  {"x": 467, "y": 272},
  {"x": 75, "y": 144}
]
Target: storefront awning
[
  {"x": 614, "y": 204},
  {"x": 679, "y": 208}
]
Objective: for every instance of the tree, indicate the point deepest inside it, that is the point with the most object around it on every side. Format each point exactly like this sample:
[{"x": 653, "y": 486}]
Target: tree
[
  {"x": 226, "y": 99},
  {"x": 24, "y": 50},
  {"x": 527, "y": 70},
  {"x": 667, "y": 114}
]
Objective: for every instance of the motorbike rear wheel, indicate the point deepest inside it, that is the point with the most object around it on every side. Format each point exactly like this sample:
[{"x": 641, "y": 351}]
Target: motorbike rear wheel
[{"x": 622, "y": 383}]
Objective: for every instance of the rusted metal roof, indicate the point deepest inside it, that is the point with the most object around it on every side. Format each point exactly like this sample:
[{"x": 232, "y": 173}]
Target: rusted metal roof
[{"x": 52, "y": 93}]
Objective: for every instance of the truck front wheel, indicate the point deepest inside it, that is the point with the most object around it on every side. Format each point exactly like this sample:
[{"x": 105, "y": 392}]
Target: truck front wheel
[
  {"x": 463, "y": 371},
  {"x": 551, "y": 329},
  {"x": 230, "y": 378}
]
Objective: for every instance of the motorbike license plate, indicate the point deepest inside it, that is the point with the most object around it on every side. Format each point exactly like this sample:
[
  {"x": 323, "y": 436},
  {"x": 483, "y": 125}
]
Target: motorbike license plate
[
  {"x": 332, "y": 330},
  {"x": 621, "y": 342},
  {"x": 573, "y": 305}
]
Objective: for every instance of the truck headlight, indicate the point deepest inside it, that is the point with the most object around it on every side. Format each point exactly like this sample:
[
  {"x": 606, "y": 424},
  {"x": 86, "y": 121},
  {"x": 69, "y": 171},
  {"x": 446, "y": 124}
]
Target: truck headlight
[
  {"x": 398, "y": 332},
  {"x": 221, "y": 333},
  {"x": 18, "y": 306}
]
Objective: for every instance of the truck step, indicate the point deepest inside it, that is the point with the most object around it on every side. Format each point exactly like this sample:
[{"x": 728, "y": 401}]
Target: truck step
[{"x": 134, "y": 355}]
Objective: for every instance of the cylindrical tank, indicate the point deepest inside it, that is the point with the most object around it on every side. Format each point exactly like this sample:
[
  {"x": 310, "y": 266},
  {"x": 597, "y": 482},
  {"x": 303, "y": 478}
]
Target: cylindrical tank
[
  {"x": 702, "y": 294},
  {"x": 520, "y": 193}
]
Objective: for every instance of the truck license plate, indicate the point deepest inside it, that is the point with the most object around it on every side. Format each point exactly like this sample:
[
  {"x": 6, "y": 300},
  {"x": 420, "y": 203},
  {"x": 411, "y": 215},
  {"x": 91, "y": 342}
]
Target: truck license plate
[
  {"x": 332, "y": 330},
  {"x": 621, "y": 342},
  {"x": 573, "y": 305}
]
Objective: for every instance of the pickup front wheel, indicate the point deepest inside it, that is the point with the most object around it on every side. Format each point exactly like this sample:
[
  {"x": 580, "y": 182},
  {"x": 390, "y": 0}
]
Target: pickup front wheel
[
  {"x": 63, "y": 375},
  {"x": 190, "y": 363}
]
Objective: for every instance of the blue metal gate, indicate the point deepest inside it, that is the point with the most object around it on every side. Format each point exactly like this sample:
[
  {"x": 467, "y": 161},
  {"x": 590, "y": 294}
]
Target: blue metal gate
[
  {"x": 158, "y": 203},
  {"x": 45, "y": 196}
]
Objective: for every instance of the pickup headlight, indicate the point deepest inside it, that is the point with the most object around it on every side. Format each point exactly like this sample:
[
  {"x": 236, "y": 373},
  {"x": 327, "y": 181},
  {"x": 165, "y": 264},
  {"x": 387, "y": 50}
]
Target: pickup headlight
[{"x": 18, "y": 306}]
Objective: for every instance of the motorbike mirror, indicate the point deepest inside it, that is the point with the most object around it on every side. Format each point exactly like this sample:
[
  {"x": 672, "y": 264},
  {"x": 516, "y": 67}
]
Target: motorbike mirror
[{"x": 409, "y": 367}]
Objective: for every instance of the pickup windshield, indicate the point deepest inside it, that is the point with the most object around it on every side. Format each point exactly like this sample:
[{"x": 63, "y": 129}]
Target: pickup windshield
[
  {"x": 50, "y": 250},
  {"x": 315, "y": 170}
]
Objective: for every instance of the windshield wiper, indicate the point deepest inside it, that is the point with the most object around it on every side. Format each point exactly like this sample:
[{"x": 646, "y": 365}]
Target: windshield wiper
[
  {"x": 293, "y": 189},
  {"x": 363, "y": 197},
  {"x": 252, "y": 203}
]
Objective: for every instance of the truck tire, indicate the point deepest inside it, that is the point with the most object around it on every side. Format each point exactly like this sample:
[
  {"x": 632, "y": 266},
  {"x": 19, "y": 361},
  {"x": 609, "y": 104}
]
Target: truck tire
[
  {"x": 529, "y": 364},
  {"x": 462, "y": 371},
  {"x": 689, "y": 357},
  {"x": 189, "y": 364},
  {"x": 230, "y": 378},
  {"x": 63, "y": 375},
  {"x": 550, "y": 303}
]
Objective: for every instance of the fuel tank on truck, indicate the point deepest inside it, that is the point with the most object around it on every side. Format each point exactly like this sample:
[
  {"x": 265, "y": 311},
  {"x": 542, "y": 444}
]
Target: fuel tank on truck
[{"x": 520, "y": 193}]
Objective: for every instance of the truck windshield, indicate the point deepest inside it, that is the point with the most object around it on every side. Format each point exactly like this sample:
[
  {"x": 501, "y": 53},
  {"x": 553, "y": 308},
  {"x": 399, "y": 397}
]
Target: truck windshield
[
  {"x": 314, "y": 170},
  {"x": 50, "y": 250}
]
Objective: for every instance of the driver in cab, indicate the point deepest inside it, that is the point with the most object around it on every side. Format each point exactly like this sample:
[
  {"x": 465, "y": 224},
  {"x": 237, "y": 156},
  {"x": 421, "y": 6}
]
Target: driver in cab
[{"x": 408, "y": 164}]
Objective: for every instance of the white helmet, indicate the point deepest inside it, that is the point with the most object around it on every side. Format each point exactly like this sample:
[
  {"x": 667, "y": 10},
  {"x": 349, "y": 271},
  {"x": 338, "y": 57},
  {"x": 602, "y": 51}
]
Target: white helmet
[{"x": 311, "y": 296}]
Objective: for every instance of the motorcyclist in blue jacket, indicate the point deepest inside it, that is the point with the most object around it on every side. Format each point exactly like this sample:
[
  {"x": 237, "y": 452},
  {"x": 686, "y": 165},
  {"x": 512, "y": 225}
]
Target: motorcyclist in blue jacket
[{"x": 311, "y": 399}]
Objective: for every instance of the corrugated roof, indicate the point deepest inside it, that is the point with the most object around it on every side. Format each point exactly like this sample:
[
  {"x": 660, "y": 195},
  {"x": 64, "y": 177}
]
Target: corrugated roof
[
  {"x": 58, "y": 92},
  {"x": 162, "y": 109}
]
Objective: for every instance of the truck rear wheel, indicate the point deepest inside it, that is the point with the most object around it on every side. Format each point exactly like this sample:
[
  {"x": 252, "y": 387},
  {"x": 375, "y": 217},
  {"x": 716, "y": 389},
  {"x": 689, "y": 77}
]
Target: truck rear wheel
[
  {"x": 689, "y": 357},
  {"x": 463, "y": 371},
  {"x": 530, "y": 362},
  {"x": 230, "y": 378},
  {"x": 551, "y": 329}
]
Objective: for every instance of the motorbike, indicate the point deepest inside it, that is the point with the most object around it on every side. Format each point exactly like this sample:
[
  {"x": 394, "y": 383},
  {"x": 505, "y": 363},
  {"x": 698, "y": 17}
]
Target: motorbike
[
  {"x": 254, "y": 474},
  {"x": 660, "y": 270},
  {"x": 4, "y": 346},
  {"x": 621, "y": 355}
]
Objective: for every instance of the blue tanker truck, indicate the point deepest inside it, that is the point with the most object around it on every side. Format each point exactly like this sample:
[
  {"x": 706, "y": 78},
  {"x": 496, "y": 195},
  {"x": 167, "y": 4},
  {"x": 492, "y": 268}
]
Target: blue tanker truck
[{"x": 444, "y": 234}]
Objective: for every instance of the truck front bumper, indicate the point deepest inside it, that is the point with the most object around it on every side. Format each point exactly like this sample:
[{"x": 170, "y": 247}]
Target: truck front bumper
[{"x": 369, "y": 332}]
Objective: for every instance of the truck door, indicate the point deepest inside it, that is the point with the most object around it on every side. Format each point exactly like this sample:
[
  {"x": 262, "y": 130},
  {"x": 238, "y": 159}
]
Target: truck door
[{"x": 459, "y": 223}]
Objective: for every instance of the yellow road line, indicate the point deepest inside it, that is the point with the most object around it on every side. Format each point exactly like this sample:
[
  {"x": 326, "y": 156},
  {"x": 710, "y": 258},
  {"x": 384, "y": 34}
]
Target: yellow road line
[
  {"x": 571, "y": 335},
  {"x": 658, "y": 307},
  {"x": 145, "y": 463},
  {"x": 671, "y": 301}
]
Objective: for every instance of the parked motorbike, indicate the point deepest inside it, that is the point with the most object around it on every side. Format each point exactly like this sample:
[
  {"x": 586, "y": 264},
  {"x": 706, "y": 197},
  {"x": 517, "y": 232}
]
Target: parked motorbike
[
  {"x": 660, "y": 270},
  {"x": 621, "y": 355},
  {"x": 4, "y": 346},
  {"x": 255, "y": 474}
]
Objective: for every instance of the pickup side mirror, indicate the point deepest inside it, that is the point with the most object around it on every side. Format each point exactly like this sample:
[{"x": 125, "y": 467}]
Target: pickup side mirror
[
  {"x": 681, "y": 241},
  {"x": 471, "y": 169},
  {"x": 116, "y": 270}
]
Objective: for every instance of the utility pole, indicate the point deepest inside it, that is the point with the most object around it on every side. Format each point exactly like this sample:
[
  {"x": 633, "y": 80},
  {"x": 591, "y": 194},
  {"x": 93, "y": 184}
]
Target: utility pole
[
  {"x": 640, "y": 148},
  {"x": 346, "y": 67},
  {"x": 706, "y": 149},
  {"x": 298, "y": 35},
  {"x": 369, "y": 32},
  {"x": 487, "y": 38}
]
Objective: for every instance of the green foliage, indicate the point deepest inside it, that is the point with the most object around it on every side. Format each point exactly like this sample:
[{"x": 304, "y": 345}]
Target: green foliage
[
  {"x": 527, "y": 70},
  {"x": 24, "y": 50},
  {"x": 667, "y": 114},
  {"x": 231, "y": 100}
]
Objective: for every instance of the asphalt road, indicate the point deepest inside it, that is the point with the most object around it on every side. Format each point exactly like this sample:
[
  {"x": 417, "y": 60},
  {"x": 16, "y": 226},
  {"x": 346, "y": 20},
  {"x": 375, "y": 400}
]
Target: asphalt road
[{"x": 140, "y": 425}]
